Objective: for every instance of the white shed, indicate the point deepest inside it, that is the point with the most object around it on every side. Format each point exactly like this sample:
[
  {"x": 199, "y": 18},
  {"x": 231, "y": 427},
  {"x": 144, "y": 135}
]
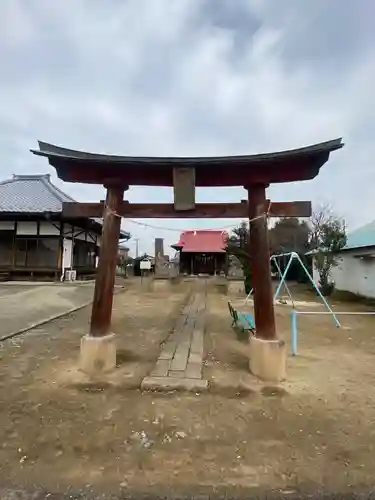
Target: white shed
[{"x": 355, "y": 271}]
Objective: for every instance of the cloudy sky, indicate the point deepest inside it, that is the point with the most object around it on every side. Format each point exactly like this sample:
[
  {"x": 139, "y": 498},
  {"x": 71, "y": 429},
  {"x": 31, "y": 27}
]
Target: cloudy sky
[{"x": 192, "y": 77}]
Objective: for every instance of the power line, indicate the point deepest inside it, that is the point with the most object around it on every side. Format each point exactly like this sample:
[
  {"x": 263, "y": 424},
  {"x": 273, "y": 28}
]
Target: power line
[
  {"x": 222, "y": 228},
  {"x": 178, "y": 230}
]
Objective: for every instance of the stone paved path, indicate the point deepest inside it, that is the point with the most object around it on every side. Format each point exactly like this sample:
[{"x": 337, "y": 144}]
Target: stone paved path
[{"x": 179, "y": 365}]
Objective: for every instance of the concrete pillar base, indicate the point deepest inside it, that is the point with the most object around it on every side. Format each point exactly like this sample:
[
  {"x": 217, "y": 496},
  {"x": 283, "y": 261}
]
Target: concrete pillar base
[
  {"x": 268, "y": 359},
  {"x": 98, "y": 354}
]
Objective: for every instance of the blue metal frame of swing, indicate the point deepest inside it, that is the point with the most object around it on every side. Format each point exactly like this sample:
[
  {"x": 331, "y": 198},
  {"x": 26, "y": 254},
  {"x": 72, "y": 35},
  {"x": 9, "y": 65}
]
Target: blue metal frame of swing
[{"x": 294, "y": 255}]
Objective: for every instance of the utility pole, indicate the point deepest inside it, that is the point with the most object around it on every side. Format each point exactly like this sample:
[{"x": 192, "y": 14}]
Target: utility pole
[{"x": 136, "y": 247}]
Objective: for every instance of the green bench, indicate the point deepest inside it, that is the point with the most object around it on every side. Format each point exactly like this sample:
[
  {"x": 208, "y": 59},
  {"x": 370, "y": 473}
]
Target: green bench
[{"x": 244, "y": 321}]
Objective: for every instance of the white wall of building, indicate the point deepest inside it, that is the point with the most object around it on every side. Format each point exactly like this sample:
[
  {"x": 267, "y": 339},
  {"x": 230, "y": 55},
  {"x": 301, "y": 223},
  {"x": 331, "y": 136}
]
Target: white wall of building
[
  {"x": 91, "y": 237},
  {"x": 47, "y": 228},
  {"x": 354, "y": 273},
  {"x": 77, "y": 233},
  {"x": 7, "y": 225},
  {"x": 315, "y": 273},
  {"x": 27, "y": 228},
  {"x": 30, "y": 228},
  {"x": 80, "y": 234},
  {"x": 67, "y": 256}
]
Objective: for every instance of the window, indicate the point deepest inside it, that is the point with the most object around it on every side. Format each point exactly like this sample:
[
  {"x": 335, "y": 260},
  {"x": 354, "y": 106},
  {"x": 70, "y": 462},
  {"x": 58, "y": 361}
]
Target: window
[
  {"x": 32, "y": 254},
  {"x": 37, "y": 253},
  {"x": 6, "y": 248},
  {"x": 48, "y": 250},
  {"x": 84, "y": 254},
  {"x": 21, "y": 252}
]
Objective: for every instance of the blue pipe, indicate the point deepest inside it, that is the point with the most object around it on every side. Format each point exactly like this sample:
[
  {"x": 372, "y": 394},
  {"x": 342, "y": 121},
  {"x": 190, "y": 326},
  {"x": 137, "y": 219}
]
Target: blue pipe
[
  {"x": 319, "y": 293},
  {"x": 283, "y": 278}
]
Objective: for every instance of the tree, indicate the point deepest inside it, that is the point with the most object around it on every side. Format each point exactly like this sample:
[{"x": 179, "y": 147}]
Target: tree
[
  {"x": 289, "y": 235},
  {"x": 327, "y": 238},
  {"x": 240, "y": 236},
  {"x": 238, "y": 246}
]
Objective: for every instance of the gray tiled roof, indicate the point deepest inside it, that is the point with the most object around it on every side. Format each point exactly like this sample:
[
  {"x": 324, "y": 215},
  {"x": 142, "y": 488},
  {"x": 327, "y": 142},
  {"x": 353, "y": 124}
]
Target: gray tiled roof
[
  {"x": 31, "y": 193},
  {"x": 34, "y": 194}
]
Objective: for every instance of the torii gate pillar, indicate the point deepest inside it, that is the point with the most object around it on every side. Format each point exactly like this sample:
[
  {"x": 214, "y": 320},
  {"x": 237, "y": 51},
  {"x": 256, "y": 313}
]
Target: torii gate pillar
[
  {"x": 98, "y": 349},
  {"x": 267, "y": 358}
]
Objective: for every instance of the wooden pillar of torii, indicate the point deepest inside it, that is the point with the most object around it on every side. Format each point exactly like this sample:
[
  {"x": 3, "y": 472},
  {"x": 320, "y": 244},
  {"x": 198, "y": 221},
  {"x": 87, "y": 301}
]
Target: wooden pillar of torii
[
  {"x": 254, "y": 172},
  {"x": 260, "y": 262},
  {"x": 106, "y": 272}
]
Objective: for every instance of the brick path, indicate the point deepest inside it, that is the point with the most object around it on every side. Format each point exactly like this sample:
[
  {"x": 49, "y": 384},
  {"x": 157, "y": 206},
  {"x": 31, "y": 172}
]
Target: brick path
[{"x": 179, "y": 365}]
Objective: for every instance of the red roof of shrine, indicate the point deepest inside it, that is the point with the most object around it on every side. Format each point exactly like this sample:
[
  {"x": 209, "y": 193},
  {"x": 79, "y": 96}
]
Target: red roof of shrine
[
  {"x": 266, "y": 168},
  {"x": 202, "y": 242}
]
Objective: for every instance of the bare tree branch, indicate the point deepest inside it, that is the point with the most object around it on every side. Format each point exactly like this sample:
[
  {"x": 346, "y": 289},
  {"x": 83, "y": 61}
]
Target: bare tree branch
[{"x": 327, "y": 238}]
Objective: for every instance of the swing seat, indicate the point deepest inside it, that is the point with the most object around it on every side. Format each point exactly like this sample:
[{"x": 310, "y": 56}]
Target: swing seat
[{"x": 244, "y": 321}]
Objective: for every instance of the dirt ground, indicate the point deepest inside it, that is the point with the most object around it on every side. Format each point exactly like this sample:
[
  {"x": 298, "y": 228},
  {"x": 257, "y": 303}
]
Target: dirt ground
[{"x": 315, "y": 430}]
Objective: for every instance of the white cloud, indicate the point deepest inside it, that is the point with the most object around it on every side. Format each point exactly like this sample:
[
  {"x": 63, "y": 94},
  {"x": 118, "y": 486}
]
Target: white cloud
[{"x": 167, "y": 77}]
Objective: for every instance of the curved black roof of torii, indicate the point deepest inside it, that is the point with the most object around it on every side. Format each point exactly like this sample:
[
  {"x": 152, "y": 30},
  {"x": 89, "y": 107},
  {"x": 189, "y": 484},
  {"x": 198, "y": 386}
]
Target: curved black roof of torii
[
  {"x": 51, "y": 151},
  {"x": 305, "y": 163}
]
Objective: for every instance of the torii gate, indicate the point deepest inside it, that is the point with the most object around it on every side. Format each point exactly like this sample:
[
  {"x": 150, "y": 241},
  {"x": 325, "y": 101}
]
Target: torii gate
[{"x": 254, "y": 172}]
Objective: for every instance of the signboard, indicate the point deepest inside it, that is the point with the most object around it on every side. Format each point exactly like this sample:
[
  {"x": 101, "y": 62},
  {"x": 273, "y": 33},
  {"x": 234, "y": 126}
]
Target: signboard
[{"x": 145, "y": 264}]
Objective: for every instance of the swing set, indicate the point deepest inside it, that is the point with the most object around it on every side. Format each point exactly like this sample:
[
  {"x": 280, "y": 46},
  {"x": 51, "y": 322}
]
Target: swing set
[
  {"x": 282, "y": 275},
  {"x": 295, "y": 313},
  {"x": 293, "y": 256}
]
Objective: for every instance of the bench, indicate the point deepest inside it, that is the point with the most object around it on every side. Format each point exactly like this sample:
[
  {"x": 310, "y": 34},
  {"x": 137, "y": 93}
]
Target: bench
[{"x": 244, "y": 321}]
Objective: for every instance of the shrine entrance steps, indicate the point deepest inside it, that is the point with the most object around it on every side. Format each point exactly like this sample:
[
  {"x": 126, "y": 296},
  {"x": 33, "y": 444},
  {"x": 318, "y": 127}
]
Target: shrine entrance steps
[{"x": 179, "y": 365}]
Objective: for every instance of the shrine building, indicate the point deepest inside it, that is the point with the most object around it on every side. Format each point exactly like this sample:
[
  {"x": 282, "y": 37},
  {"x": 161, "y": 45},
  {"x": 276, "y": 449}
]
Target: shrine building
[{"x": 202, "y": 252}]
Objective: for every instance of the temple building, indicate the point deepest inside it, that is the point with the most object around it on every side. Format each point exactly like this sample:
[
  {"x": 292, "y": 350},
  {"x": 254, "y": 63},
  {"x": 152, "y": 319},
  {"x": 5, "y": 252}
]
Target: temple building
[
  {"x": 202, "y": 252},
  {"x": 36, "y": 241}
]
